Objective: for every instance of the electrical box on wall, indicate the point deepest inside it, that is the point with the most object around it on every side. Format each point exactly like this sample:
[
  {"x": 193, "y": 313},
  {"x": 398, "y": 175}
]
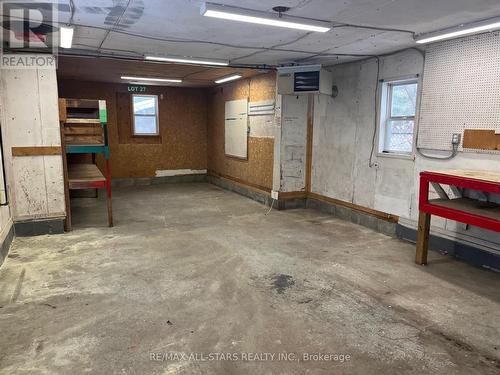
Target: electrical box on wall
[{"x": 311, "y": 79}]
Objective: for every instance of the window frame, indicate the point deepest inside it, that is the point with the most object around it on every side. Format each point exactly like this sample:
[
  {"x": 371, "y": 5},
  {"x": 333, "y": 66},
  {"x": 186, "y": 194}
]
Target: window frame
[
  {"x": 385, "y": 116},
  {"x": 156, "y": 115}
]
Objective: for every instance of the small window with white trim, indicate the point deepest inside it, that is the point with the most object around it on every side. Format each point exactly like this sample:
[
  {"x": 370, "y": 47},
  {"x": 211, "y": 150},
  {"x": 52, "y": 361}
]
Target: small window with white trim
[
  {"x": 397, "y": 116},
  {"x": 145, "y": 112}
]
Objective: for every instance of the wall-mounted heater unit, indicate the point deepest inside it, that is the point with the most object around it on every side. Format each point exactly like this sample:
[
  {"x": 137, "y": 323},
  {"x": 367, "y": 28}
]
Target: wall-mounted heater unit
[{"x": 311, "y": 79}]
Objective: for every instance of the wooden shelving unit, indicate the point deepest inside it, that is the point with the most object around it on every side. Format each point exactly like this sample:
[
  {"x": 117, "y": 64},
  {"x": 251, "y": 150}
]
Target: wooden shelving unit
[{"x": 84, "y": 131}]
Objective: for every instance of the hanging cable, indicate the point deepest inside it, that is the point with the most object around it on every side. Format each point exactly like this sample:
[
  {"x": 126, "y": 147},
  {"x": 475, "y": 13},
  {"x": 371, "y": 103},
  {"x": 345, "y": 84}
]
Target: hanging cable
[
  {"x": 270, "y": 208},
  {"x": 453, "y": 154}
]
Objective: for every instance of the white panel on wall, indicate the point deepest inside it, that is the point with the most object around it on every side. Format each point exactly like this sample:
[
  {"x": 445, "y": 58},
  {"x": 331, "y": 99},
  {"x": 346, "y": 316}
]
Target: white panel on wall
[
  {"x": 236, "y": 128},
  {"x": 460, "y": 89},
  {"x": 293, "y": 142}
]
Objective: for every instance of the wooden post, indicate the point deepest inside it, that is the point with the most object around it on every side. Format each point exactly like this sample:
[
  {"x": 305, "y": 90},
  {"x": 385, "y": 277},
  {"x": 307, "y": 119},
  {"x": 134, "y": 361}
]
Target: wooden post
[
  {"x": 67, "y": 223},
  {"x": 424, "y": 226},
  {"x": 309, "y": 141}
]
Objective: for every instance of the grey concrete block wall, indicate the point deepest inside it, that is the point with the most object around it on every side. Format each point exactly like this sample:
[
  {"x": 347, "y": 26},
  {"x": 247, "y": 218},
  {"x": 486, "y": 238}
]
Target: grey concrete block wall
[
  {"x": 290, "y": 204},
  {"x": 39, "y": 227}
]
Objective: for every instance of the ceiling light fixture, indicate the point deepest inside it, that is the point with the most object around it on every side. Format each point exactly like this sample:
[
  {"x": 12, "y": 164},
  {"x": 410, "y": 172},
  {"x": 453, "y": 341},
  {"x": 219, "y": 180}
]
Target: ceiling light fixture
[
  {"x": 131, "y": 78},
  {"x": 189, "y": 60},
  {"x": 462, "y": 30},
  {"x": 263, "y": 18},
  {"x": 66, "y": 36},
  {"x": 232, "y": 77}
]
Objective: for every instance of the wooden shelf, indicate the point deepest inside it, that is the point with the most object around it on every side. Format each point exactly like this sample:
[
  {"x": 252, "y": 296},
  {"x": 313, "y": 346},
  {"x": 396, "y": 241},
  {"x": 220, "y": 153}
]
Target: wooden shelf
[
  {"x": 85, "y": 176},
  {"x": 70, "y": 120},
  {"x": 471, "y": 206}
]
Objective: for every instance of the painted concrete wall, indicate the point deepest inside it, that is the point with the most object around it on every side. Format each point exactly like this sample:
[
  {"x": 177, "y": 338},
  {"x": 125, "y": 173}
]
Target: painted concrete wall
[
  {"x": 31, "y": 118},
  {"x": 342, "y": 143}
]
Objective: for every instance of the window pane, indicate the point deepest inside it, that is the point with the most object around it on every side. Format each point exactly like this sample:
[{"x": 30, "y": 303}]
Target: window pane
[
  {"x": 399, "y": 137},
  {"x": 145, "y": 125},
  {"x": 404, "y": 100},
  {"x": 144, "y": 105}
]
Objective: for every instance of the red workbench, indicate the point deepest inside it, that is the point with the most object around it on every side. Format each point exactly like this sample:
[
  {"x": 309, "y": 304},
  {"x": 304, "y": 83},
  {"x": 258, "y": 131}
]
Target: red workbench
[{"x": 460, "y": 209}]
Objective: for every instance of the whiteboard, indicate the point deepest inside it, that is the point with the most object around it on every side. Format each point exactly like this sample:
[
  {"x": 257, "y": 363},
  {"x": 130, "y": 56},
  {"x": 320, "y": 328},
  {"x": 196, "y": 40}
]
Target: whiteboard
[
  {"x": 460, "y": 89},
  {"x": 236, "y": 128}
]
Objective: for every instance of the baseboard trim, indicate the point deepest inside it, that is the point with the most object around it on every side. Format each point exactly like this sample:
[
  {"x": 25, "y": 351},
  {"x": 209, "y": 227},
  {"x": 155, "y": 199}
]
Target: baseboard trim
[
  {"x": 248, "y": 185},
  {"x": 366, "y": 219},
  {"x": 241, "y": 189},
  {"x": 369, "y": 211},
  {"x": 28, "y": 228},
  {"x": 146, "y": 181},
  {"x": 467, "y": 252},
  {"x": 6, "y": 243}
]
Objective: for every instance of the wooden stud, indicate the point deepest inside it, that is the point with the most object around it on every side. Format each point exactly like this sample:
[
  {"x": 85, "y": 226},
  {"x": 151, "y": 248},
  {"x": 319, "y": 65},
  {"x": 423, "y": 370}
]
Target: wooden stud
[{"x": 424, "y": 226}]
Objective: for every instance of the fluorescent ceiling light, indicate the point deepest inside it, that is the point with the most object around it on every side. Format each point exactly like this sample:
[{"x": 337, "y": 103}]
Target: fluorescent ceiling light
[
  {"x": 66, "y": 36},
  {"x": 262, "y": 18},
  {"x": 131, "y": 78},
  {"x": 462, "y": 30},
  {"x": 232, "y": 77},
  {"x": 189, "y": 60}
]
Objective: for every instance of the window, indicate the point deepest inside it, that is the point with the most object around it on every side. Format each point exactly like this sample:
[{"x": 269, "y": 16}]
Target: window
[
  {"x": 145, "y": 109},
  {"x": 397, "y": 117}
]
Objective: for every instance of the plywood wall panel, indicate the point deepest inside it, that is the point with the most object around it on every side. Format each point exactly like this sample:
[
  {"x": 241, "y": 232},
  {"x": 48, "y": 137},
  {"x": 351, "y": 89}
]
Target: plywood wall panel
[
  {"x": 258, "y": 169},
  {"x": 183, "y": 128}
]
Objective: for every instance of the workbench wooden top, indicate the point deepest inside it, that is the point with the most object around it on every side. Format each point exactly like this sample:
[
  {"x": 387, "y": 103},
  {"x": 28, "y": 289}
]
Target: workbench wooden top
[{"x": 476, "y": 175}]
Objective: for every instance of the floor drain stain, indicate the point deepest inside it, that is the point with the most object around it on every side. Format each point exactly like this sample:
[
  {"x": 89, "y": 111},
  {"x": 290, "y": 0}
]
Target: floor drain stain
[{"x": 282, "y": 282}]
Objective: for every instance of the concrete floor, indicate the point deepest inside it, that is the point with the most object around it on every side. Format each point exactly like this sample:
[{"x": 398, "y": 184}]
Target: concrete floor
[{"x": 195, "y": 269}]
